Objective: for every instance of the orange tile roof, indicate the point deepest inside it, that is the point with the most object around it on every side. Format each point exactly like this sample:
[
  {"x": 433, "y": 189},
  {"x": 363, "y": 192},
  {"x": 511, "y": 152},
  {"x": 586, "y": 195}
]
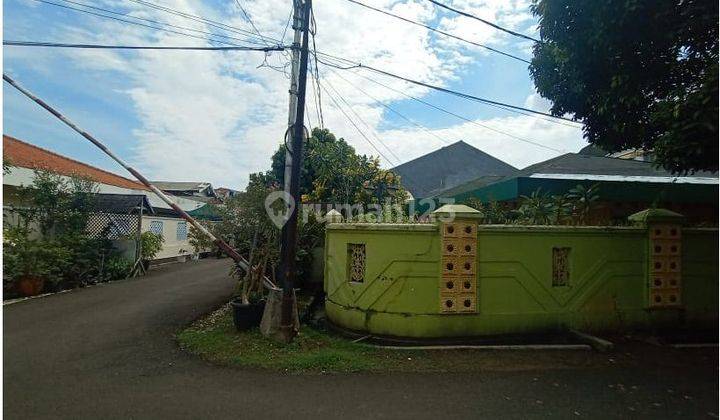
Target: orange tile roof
[{"x": 26, "y": 155}]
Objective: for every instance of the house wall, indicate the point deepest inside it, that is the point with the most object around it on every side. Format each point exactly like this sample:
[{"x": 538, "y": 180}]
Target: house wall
[
  {"x": 172, "y": 247},
  {"x": 608, "y": 287},
  {"x": 24, "y": 177}
]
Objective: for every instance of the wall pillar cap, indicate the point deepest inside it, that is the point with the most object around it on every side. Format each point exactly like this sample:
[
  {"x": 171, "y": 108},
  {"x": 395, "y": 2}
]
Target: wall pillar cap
[
  {"x": 333, "y": 216},
  {"x": 649, "y": 216},
  {"x": 457, "y": 211}
]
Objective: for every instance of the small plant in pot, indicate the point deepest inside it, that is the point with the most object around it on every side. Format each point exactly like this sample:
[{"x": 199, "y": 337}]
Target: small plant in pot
[
  {"x": 32, "y": 265},
  {"x": 249, "y": 305}
]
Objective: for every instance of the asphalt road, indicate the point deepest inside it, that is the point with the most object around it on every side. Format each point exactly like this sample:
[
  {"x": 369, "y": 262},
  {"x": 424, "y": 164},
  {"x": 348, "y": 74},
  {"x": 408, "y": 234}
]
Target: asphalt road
[{"x": 109, "y": 352}]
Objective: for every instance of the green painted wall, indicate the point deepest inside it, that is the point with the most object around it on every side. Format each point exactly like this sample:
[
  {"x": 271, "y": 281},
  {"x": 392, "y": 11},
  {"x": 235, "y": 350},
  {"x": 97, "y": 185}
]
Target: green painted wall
[{"x": 607, "y": 288}]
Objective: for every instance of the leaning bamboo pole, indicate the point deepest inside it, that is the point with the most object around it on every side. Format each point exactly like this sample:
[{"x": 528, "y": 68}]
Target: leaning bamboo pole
[{"x": 239, "y": 260}]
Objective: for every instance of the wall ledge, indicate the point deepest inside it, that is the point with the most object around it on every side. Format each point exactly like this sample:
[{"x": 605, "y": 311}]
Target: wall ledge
[{"x": 395, "y": 227}]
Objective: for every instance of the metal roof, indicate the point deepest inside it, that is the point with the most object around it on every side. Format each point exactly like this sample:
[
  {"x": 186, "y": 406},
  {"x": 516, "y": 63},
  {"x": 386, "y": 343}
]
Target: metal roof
[
  {"x": 448, "y": 167},
  {"x": 121, "y": 203}
]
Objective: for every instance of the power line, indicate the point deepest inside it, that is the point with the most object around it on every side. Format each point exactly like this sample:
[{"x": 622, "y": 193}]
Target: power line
[
  {"x": 444, "y": 141},
  {"x": 148, "y": 26},
  {"x": 337, "y": 105},
  {"x": 315, "y": 94},
  {"x": 440, "y": 31},
  {"x": 252, "y": 41},
  {"x": 317, "y": 73},
  {"x": 494, "y": 25},
  {"x": 206, "y": 21},
  {"x": 508, "y": 107},
  {"x": 137, "y": 47},
  {"x": 370, "y": 128},
  {"x": 466, "y": 119},
  {"x": 247, "y": 17}
]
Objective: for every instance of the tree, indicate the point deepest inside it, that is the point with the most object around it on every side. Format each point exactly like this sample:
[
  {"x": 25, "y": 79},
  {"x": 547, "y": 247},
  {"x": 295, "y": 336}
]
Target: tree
[
  {"x": 638, "y": 73},
  {"x": 332, "y": 172}
]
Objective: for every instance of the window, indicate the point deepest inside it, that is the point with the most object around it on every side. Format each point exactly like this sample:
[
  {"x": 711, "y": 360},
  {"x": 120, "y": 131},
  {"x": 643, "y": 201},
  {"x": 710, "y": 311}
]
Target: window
[
  {"x": 356, "y": 262},
  {"x": 156, "y": 227},
  {"x": 561, "y": 267},
  {"x": 182, "y": 231}
]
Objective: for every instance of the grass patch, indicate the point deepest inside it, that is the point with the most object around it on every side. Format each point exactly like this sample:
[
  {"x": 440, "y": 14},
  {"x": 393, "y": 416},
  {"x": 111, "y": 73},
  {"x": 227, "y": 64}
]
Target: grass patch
[{"x": 215, "y": 339}]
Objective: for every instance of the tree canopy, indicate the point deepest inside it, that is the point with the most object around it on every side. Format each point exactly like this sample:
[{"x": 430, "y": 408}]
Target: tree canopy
[
  {"x": 638, "y": 73},
  {"x": 332, "y": 172}
]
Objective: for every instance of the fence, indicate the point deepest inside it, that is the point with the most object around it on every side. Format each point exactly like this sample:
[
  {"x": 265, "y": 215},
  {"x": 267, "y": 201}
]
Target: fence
[{"x": 463, "y": 279}]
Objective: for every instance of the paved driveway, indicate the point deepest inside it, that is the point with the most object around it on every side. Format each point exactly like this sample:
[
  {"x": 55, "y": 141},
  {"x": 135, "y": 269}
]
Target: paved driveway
[{"x": 108, "y": 352}]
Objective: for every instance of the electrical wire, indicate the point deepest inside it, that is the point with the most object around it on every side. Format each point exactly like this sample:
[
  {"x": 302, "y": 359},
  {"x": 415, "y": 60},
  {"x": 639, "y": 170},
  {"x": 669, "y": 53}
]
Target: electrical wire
[
  {"x": 466, "y": 119},
  {"x": 501, "y": 105},
  {"x": 497, "y": 104},
  {"x": 247, "y": 17},
  {"x": 440, "y": 31},
  {"x": 388, "y": 107},
  {"x": 494, "y": 25},
  {"x": 314, "y": 93},
  {"x": 317, "y": 71},
  {"x": 362, "y": 134},
  {"x": 148, "y": 26},
  {"x": 137, "y": 47},
  {"x": 369, "y": 127},
  {"x": 200, "y": 19}
]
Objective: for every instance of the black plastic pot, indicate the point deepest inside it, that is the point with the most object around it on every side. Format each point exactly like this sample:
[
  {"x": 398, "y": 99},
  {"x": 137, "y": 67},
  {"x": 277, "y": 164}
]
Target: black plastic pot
[{"x": 247, "y": 316}]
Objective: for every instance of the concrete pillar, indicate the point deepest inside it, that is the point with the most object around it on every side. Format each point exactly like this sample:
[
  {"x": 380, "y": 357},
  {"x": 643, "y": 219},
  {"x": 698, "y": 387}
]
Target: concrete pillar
[{"x": 664, "y": 256}]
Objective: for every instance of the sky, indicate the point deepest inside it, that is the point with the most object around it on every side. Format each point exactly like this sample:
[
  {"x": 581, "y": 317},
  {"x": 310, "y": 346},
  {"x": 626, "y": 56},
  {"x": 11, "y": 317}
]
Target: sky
[{"x": 219, "y": 116}]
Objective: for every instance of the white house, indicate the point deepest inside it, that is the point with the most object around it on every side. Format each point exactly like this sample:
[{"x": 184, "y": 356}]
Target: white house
[{"x": 24, "y": 158}]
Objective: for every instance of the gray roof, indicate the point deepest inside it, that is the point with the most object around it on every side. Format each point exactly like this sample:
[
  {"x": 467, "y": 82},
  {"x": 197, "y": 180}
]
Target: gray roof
[
  {"x": 448, "y": 167},
  {"x": 592, "y": 150},
  {"x": 185, "y": 188},
  {"x": 181, "y": 186},
  {"x": 121, "y": 203},
  {"x": 574, "y": 163}
]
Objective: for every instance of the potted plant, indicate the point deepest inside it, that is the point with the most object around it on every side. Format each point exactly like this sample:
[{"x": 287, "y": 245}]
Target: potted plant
[
  {"x": 31, "y": 265},
  {"x": 249, "y": 306}
]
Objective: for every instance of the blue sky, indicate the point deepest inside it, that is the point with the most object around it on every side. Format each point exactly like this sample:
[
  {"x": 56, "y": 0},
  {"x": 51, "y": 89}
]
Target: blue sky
[{"x": 216, "y": 116}]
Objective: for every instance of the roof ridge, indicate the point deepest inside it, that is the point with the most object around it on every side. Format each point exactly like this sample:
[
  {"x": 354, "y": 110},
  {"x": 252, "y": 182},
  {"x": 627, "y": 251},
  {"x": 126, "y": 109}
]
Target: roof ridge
[{"x": 72, "y": 160}]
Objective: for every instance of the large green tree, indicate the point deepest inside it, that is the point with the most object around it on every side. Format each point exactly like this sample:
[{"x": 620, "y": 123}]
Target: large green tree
[
  {"x": 637, "y": 73},
  {"x": 332, "y": 172}
]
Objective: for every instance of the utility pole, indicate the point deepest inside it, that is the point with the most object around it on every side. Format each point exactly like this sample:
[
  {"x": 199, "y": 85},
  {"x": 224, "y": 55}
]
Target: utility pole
[{"x": 293, "y": 161}]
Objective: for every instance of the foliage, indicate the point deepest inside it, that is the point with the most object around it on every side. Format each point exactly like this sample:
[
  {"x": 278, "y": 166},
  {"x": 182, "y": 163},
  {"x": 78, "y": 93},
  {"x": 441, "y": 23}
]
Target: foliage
[
  {"x": 23, "y": 256},
  {"x": 117, "y": 267},
  {"x": 537, "y": 209},
  {"x": 199, "y": 241},
  {"x": 246, "y": 224},
  {"x": 150, "y": 245},
  {"x": 638, "y": 74},
  {"x": 47, "y": 238},
  {"x": 540, "y": 208},
  {"x": 333, "y": 173},
  {"x": 582, "y": 200}
]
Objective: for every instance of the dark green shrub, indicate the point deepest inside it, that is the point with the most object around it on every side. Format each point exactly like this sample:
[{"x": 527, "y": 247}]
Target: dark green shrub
[{"x": 117, "y": 268}]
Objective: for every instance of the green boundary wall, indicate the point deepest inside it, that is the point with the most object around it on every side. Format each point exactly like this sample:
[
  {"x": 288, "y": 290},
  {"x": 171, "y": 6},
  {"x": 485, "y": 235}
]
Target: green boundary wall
[{"x": 608, "y": 289}]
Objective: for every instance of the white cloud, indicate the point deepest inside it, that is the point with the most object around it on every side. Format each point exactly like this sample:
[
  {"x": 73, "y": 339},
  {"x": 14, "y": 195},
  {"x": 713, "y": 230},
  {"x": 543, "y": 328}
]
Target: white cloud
[{"x": 216, "y": 117}]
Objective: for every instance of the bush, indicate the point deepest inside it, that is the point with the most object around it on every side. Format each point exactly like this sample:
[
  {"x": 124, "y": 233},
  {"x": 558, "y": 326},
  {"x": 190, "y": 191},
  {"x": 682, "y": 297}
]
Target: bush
[
  {"x": 150, "y": 245},
  {"x": 117, "y": 268}
]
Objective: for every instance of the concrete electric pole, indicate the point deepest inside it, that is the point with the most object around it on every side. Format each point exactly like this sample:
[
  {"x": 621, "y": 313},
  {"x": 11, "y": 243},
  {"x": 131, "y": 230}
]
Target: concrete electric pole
[{"x": 293, "y": 161}]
